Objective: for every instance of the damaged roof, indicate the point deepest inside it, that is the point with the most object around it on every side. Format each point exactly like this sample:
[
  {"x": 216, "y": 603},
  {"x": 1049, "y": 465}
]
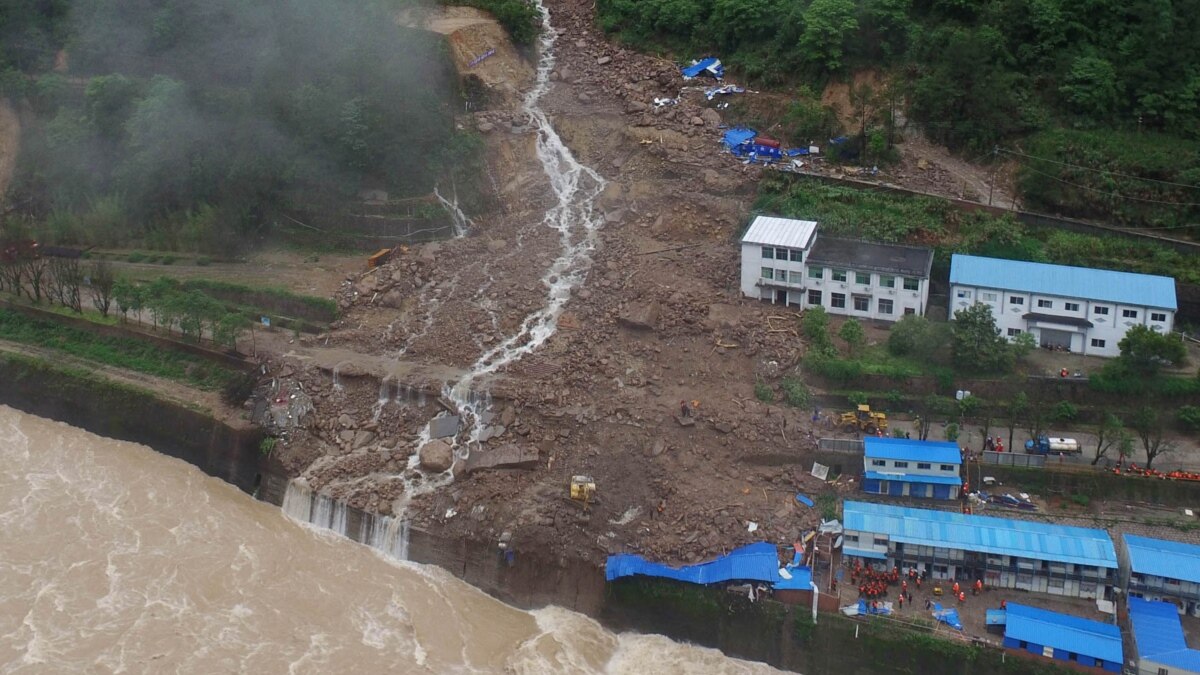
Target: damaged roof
[{"x": 912, "y": 261}]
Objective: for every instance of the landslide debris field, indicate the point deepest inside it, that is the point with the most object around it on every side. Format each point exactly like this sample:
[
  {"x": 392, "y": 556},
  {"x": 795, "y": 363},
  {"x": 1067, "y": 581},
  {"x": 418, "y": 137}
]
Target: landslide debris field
[{"x": 471, "y": 329}]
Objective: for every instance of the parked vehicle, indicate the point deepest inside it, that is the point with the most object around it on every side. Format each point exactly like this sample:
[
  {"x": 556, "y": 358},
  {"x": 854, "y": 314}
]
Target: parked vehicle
[{"x": 1046, "y": 445}]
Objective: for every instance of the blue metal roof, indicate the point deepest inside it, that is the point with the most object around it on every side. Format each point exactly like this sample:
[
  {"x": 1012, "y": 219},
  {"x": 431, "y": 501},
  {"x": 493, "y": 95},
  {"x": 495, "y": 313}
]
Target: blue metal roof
[
  {"x": 914, "y": 478},
  {"x": 755, "y": 562},
  {"x": 1001, "y": 536},
  {"x": 1158, "y": 634},
  {"x": 942, "y": 452},
  {"x": 863, "y": 554},
  {"x": 1163, "y": 558},
  {"x": 1070, "y": 282},
  {"x": 1063, "y": 631}
]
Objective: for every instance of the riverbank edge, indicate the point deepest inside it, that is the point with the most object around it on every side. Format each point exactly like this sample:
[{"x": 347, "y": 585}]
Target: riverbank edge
[{"x": 779, "y": 634}]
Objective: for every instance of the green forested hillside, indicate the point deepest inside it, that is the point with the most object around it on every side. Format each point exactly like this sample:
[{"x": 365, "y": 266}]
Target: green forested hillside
[
  {"x": 186, "y": 123},
  {"x": 1121, "y": 76}
]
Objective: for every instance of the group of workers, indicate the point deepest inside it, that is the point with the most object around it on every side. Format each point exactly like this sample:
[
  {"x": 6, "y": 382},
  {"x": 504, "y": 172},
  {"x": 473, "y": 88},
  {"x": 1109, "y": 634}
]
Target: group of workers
[{"x": 874, "y": 584}]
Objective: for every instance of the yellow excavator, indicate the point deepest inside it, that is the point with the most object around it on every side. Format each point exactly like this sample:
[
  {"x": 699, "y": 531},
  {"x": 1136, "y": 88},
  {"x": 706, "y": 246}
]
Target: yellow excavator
[
  {"x": 583, "y": 490},
  {"x": 863, "y": 420}
]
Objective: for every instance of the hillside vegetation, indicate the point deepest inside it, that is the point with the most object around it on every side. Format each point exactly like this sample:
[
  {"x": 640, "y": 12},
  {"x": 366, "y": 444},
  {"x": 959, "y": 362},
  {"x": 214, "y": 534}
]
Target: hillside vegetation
[
  {"x": 190, "y": 124},
  {"x": 1106, "y": 85}
]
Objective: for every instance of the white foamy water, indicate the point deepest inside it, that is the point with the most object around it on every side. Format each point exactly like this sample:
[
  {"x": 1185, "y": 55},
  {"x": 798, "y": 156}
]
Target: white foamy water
[{"x": 115, "y": 559}]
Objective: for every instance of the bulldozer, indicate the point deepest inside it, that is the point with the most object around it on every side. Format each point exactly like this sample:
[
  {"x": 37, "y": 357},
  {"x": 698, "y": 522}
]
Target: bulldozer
[
  {"x": 863, "y": 420},
  {"x": 583, "y": 490}
]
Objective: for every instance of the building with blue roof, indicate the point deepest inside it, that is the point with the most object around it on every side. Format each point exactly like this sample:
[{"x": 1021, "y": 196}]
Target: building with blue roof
[
  {"x": 1083, "y": 310},
  {"x": 1089, "y": 643},
  {"x": 1159, "y": 640},
  {"x": 900, "y": 467},
  {"x": 1159, "y": 569},
  {"x": 1004, "y": 553}
]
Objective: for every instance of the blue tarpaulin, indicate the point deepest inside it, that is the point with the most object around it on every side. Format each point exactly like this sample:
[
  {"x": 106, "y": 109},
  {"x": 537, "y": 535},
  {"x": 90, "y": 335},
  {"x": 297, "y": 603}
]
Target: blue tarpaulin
[
  {"x": 803, "y": 499},
  {"x": 756, "y": 562},
  {"x": 738, "y": 135},
  {"x": 708, "y": 66},
  {"x": 865, "y": 608},
  {"x": 801, "y": 580},
  {"x": 947, "y": 616}
]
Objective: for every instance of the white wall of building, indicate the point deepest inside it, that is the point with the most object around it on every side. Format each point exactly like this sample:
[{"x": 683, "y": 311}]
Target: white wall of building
[
  {"x": 862, "y": 294},
  {"x": 1110, "y": 320},
  {"x": 911, "y": 467}
]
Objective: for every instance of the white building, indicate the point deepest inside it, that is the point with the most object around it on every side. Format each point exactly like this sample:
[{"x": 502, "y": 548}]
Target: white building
[
  {"x": 1084, "y": 310},
  {"x": 787, "y": 263},
  {"x": 911, "y": 468}
]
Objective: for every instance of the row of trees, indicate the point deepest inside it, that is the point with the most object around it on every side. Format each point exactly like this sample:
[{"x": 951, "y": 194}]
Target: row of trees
[{"x": 72, "y": 284}]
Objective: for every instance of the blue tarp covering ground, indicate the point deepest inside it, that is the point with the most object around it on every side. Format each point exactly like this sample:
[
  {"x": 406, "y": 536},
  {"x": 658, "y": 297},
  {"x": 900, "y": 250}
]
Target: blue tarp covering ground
[
  {"x": 947, "y": 616},
  {"x": 756, "y": 562},
  {"x": 801, "y": 580},
  {"x": 708, "y": 66},
  {"x": 736, "y": 136}
]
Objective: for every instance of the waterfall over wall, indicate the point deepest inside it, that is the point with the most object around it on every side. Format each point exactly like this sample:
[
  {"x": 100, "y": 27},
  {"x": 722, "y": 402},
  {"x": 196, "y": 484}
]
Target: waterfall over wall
[{"x": 385, "y": 533}]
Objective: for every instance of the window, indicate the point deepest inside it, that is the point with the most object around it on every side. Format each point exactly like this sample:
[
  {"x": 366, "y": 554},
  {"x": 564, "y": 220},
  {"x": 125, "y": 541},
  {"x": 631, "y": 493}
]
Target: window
[
  {"x": 1172, "y": 582},
  {"x": 901, "y": 465},
  {"x": 863, "y": 278},
  {"x": 1055, "y": 583},
  {"x": 909, "y": 310},
  {"x": 963, "y": 294},
  {"x": 780, "y": 275},
  {"x": 795, "y": 278},
  {"x": 768, "y": 273},
  {"x": 768, "y": 253},
  {"x": 852, "y": 539},
  {"x": 814, "y": 297},
  {"x": 839, "y": 275},
  {"x": 1013, "y": 332},
  {"x": 1016, "y": 300},
  {"x": 924, "y": 465},
  {"x": 1046, "y": 304},
  {"x": 1098, "y": 309},
  {"x": 1129, "y": 313},
  {"x": 1158, "y": 316},
  {"x": 1071, "y": 306},
  {"x": 816, "y": 273},
  {"x": 1163, "y": 671},
  {"x": 837, "y": 300},
  {"x": 878, "y": 462},
  {"x": 796, "y": 256},
  {"x": 885, "y": 306},
  {"x": 1098, "y": 343},
  {"x": 988, "y": 297},
  {"x": 947, "y": 467},
  {"x": 881, "y": 541},
  {"x": 911, "y": 284},
  {"x": 862, "y": 303},
  {"x": 887, "y": 282}
]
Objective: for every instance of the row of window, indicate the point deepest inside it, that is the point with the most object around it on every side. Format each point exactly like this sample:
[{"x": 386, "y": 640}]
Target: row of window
[
  {"x": 772, "y": 253},
  {"x": 1067, "y": 306},
  {"x": 863, "y": 278},
  {"x": 899, "y": 464}
]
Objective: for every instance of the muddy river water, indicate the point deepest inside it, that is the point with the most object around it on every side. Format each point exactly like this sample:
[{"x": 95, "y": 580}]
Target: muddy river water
[{"x": 114, "y": 558}]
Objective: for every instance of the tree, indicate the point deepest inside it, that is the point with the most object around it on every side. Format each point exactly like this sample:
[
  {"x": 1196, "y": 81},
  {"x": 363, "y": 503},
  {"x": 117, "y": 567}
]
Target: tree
[
  {"x": 1065, "y": 411},
  {"x": 814, "y": 324},
  {"x": 1023, "y": 345},
  {"x": 124, "y": 294},
  {"x": 1091, "y": 87},
  {"x": 102, "y": 282},
  {"x": 1016, "y": 409},
  {"x": 853, "y": 334},
  {"x": 967, "y": 406},
  {"x": 1108, "y": 435},
  {"x": 1189, "y": 417},
  {"x": 1145, "y": 350},
  {"x": 1148, "y": 424},
  {"x": 33, "y": 272},
  {"x": 978, "y": 345},
  {"x": 864, "y": 103},
  {"x": 827, "y": 23}
]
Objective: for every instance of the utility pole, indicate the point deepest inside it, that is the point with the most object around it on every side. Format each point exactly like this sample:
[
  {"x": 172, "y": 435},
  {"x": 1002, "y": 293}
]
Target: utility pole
[{"x": 992, "y": 182}]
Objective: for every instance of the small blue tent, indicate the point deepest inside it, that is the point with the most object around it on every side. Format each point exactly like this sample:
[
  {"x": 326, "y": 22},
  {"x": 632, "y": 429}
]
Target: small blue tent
[{"x": 707, "y": 66}]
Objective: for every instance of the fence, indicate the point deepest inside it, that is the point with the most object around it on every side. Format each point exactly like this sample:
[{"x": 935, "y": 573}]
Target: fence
[
  {"x": 847, "y": 445},
  {"x": 1013, "y": 459}
]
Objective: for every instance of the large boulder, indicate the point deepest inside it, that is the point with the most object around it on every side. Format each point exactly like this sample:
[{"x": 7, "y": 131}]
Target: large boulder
[
  {"x": 436, "y": 456},
  {"x": 640, "y": 315}
]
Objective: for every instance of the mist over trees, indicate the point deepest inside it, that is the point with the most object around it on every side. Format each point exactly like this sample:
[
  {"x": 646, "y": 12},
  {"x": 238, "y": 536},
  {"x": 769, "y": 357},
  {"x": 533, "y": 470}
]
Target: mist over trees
[{"x": 190, "y": 123}]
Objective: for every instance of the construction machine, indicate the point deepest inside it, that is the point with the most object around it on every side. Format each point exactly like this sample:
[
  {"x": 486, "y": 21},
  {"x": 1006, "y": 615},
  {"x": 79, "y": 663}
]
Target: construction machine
[
  {"x": 583, "y": 490},
  {"x": 863, "y": 420}
]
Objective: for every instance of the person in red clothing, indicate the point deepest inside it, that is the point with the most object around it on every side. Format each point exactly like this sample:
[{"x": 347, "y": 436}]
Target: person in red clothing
[{"x": 956, "y": 588}]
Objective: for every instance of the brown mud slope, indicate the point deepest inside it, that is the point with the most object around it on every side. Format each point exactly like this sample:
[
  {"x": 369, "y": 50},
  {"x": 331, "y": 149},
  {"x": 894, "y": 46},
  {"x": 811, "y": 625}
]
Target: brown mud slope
[
  {"x": 10, "y": 145},
  {"x": 470, "y": 34}
]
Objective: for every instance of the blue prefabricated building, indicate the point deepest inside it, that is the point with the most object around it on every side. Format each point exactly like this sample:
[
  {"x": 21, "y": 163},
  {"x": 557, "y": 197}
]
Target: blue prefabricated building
[
  {"x": 1063, "y": 637},
  {"x": 902, "y": 467}
]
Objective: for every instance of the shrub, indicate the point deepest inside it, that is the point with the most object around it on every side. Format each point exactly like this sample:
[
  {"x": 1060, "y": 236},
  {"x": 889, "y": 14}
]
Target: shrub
[
  {"x": 168, "y": 260},
  {"x": 795, "y": 393},
  {"x": 1189, "y": 417},
  {"x": 762, "y": 392},
  {"x": 952, "y": 432},
  {"x": 857, "y": 398},
  {"x": 136, "y": 257},
  {"x": 837, "y": 370},
  {"x": 203, "y": 261},
  {"x": 238, "y": 389},
  {"x": 267, "y": 445},
  {"x": 1065, "y": 411}
]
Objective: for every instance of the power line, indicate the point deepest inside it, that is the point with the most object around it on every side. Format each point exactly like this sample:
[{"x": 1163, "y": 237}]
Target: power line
[
  {"x": 1103, "y": 171},
  {"x": 1112, "y": 193}
]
